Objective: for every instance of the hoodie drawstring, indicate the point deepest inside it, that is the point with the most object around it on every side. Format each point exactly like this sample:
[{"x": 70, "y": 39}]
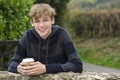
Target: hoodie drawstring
[{"x": 47, "y": 51}]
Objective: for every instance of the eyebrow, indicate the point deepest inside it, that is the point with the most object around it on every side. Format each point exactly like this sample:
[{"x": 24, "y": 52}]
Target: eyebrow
[{"x": 46, "y": 17}]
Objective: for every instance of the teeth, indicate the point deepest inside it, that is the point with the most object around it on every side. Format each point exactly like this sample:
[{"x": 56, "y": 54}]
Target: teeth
[{"x": 42, "y": 29}]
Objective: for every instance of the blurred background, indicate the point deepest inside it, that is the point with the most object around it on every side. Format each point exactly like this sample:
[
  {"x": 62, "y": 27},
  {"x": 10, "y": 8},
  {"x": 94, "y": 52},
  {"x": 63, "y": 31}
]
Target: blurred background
[{"x": 94, "y": 26}]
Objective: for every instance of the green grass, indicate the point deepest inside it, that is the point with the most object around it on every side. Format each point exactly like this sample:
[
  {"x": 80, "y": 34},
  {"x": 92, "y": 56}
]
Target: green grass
[{"x": 104, "y": 52}]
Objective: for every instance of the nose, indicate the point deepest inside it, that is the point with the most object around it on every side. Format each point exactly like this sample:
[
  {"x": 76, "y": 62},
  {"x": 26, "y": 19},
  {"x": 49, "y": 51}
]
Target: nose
[{"x": 41, "y": 24}]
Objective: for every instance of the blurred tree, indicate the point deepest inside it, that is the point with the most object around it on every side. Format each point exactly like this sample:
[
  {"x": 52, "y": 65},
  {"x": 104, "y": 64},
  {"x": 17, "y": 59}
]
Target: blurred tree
[
  {"x": 92, "y": 1},
  {"x": 13, "y": 18},
  {"x": 13, "y": 23},
  {"x": 59, "y": 5}
]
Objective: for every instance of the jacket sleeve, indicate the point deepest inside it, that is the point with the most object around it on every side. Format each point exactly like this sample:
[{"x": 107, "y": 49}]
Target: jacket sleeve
[
  {"x": 74, "y": 62},
  {"x": 17, "y": 58}
]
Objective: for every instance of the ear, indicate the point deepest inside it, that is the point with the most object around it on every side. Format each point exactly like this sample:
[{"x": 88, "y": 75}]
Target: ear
[
  {"x": 32, "y": 23},
  {"x": 53, "y": 20}
]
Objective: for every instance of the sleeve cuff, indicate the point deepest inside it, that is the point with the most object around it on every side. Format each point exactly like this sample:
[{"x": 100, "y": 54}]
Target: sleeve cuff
[{"x": 53, "y": 68}]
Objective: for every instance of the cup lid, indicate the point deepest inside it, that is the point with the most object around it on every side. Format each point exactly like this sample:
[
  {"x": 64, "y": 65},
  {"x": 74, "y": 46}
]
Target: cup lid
[{"x": 28, "y": 60}]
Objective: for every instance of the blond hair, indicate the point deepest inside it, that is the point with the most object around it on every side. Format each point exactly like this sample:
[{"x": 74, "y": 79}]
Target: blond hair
[{"x": 41, "y": 9}]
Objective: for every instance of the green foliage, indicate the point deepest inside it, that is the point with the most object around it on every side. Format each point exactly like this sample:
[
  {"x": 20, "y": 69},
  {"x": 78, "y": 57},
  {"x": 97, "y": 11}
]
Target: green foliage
[
  {"x": 14, "y": 21},
  {"x": 13, "y": 18},
  {"x": 94, "y": 5},
  {"x": 93, "y": 18},
  {"x": 59, "y": 5},
  {"x": 95, "y": 24},
  {"x": 2, "y": 26},
  {"x": 104, "y": 52}
]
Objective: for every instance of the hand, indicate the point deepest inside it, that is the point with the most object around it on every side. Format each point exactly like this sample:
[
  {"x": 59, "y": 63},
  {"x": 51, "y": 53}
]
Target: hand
[{"x": 35, "y": 68}]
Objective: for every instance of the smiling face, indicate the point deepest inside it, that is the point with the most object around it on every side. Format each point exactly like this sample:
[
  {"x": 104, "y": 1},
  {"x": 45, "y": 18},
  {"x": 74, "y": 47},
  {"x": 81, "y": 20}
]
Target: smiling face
[
  {"x": 43, "y": 25},
  {"x": 42, "y": 18}
]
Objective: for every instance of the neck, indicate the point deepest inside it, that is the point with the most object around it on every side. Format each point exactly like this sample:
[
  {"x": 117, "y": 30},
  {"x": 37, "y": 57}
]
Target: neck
[{"x": 45, "y": 37}]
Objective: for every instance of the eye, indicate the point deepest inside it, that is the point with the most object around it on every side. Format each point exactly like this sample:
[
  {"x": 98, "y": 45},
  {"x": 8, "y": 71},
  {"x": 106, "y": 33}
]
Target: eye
[
  {"x": 37, "y": 21},
  {"x": 46, "y": 20}
]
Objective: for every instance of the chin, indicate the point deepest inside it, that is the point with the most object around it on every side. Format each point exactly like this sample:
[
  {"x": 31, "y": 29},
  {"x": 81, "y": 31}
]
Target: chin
[{"x": 42, "y": 34}]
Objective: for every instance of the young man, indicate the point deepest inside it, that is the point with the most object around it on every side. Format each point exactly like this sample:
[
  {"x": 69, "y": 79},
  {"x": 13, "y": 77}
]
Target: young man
[{"x": 50, "y": 46}]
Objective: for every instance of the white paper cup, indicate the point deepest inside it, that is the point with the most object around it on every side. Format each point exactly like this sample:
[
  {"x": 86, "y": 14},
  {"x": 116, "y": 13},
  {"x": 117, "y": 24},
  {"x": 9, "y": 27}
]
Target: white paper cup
[{"x": 27, "y": 61}]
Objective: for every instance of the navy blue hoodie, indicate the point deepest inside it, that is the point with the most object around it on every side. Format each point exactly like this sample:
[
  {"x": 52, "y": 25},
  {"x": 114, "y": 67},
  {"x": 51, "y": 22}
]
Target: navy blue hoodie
[{"x": 57, "y": 52}]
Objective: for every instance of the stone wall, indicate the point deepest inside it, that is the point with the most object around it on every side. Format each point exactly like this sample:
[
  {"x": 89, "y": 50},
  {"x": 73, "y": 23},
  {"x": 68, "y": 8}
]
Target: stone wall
[{"x": 4, "y": 75}]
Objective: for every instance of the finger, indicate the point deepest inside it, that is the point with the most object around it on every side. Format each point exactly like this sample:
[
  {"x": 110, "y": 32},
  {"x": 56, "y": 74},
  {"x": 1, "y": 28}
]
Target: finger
[
  {"x": 33, "y": 63},
  {"x": 38, "y": 62},
  {"x": 19, "y": 68},
  {"x": 34, "y": 71},
  {"x": 29, "y": 67},
  {"x": 30, "y": 70},
  {"x": 24, "y": 64},
  {"x": 23, "y": 73}
]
